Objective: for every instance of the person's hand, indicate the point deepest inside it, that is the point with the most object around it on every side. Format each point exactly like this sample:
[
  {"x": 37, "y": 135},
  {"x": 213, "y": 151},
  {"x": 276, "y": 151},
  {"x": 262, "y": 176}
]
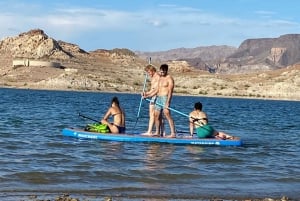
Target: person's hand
[
  {"x": 103, "y": 121},
  {"x": 144, "y": 95}
]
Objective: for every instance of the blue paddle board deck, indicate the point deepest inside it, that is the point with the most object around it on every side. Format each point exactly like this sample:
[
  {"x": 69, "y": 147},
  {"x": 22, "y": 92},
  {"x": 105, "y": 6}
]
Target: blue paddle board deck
[{"x": 180, "y": 139}]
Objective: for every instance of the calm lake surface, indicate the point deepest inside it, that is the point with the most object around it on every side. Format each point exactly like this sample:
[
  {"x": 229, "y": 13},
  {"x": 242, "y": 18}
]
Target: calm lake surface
[{"x": 35, "y": 157}]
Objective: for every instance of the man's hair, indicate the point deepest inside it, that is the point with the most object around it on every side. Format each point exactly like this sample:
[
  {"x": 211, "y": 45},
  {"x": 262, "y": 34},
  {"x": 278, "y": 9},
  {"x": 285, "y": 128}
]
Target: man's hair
[
  {"x": 150, "y": 68},
  {"x": 164, "y": 67},
  {"x": 198, "y": 106}
]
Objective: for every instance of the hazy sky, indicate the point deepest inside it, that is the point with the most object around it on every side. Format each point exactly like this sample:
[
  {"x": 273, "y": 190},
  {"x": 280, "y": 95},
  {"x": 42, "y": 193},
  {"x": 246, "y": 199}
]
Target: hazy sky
[{"x": 151, "y": 25}]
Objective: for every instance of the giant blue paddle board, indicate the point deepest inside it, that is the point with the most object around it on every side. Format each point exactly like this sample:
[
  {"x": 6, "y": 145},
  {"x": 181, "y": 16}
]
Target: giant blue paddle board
[{"x": 180, "y": 139}]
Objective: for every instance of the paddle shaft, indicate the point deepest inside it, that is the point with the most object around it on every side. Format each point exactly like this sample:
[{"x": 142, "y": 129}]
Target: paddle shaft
[
  {"x": 86, "y": 117},
  {"x": 141, "y": 101},
  {"x": 175, "y": 111},
  {"x": 170, "y": 108},
  {"x": 144, "y": 87}
]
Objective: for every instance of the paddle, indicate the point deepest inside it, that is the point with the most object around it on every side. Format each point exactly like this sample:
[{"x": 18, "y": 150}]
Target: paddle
[
  {"x": 170, "y": 109},
  {"x": 139, "y": 110},
  {"x": 195, "y": 119},
  {"x": 144, "y": 87},
  {"x": 86, "y": 117}
]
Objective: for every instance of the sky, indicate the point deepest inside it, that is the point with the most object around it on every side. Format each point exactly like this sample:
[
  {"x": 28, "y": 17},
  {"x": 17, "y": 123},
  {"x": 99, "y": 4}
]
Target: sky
[{"x": 151, "y": 25}]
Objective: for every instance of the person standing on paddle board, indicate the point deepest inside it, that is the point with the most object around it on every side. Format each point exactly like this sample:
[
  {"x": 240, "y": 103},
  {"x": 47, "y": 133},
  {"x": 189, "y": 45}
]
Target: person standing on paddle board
[
  {"x": 118, "y": 114},
  {"x": 199, "y": 120},
  {"x": 164, "y": 94},
  {"x": 151, "y": 71}
]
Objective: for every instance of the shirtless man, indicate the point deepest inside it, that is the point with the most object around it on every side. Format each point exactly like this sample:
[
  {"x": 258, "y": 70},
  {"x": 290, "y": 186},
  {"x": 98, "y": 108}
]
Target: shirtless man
[
  {"x": 164, "y": 94},
  {"x": 199, "y": 120},
  {"x": 151, "y": 70},
  {"x": 118, "y": 125}
]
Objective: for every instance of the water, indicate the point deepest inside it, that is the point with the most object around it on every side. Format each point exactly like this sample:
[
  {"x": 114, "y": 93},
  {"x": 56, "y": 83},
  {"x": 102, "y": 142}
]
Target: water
[{"x": 35, "y": 157}]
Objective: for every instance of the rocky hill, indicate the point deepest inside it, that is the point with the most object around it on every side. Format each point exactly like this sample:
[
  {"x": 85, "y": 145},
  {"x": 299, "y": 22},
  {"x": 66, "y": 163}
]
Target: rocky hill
[{"x": 121, "y": 70}]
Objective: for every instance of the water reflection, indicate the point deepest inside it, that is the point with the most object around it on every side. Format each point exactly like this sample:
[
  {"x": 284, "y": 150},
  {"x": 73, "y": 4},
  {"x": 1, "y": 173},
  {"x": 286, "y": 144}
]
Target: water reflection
[{"x": 156, "y": 156}]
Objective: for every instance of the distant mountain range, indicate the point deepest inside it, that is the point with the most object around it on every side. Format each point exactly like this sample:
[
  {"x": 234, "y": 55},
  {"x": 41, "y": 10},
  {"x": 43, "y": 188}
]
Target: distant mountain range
[{"x": 252, "y": 55}]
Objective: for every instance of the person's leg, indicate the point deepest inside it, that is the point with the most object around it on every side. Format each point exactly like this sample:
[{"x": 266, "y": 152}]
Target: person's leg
[
  {"x": 162, "y": 124},
  {"x": 171, "y": 122},
  {"x": 151, "y": 118},
  {"x": 113, "y": 128},
  {"x": 223, "y": 135},
  {"x": 157, "y": 115},
  {"x": 157, "y": 121}
]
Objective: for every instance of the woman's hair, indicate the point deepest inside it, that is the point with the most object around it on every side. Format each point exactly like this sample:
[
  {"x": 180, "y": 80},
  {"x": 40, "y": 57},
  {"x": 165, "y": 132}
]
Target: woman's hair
[
  {"x": 115, "y": 100},
  {"x": 198, "y": 106}
]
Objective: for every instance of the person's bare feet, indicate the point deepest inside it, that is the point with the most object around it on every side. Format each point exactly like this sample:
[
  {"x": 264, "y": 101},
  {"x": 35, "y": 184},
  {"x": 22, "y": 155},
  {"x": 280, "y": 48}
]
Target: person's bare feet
[
  {"x": 171, "y": 136},
  {"x": 146, "y": 134},
  {"x": 150, "y": 134}
]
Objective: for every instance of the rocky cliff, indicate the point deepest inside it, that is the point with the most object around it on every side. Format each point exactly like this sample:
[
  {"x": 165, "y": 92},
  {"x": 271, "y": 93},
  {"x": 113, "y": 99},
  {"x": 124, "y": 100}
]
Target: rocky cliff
[
  {"x": 263, "y": 54},
  {"x": 252, "y": 55}
]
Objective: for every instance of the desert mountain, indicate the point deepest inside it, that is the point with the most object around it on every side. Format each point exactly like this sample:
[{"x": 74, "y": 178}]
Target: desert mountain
[
  {"x": 252, "y": 55},
  {"x": 264, "y": 53},
  {"x": 35, "y": 60}
]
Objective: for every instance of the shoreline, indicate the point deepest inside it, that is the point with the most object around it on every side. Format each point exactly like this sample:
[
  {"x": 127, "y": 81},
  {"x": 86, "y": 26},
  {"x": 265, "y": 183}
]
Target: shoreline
[{"x": 176, "y": 94}]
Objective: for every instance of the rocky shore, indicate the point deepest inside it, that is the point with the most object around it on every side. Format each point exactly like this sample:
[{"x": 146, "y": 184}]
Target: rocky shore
[
  {"x": 75, "y": 197},
  {"x": 283, "y": 84}
]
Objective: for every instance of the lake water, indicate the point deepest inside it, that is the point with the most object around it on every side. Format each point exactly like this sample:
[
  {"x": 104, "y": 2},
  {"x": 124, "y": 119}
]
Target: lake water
[{"x": 35, "y": 157}]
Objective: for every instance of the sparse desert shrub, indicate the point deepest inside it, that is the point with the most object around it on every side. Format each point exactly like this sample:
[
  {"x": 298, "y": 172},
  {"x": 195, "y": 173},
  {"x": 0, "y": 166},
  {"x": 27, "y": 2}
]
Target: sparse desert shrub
[
  {"x": 118, "y": 80},
  {"x": 181, "y": 91},
  {"x": 203, "y": 92}
]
